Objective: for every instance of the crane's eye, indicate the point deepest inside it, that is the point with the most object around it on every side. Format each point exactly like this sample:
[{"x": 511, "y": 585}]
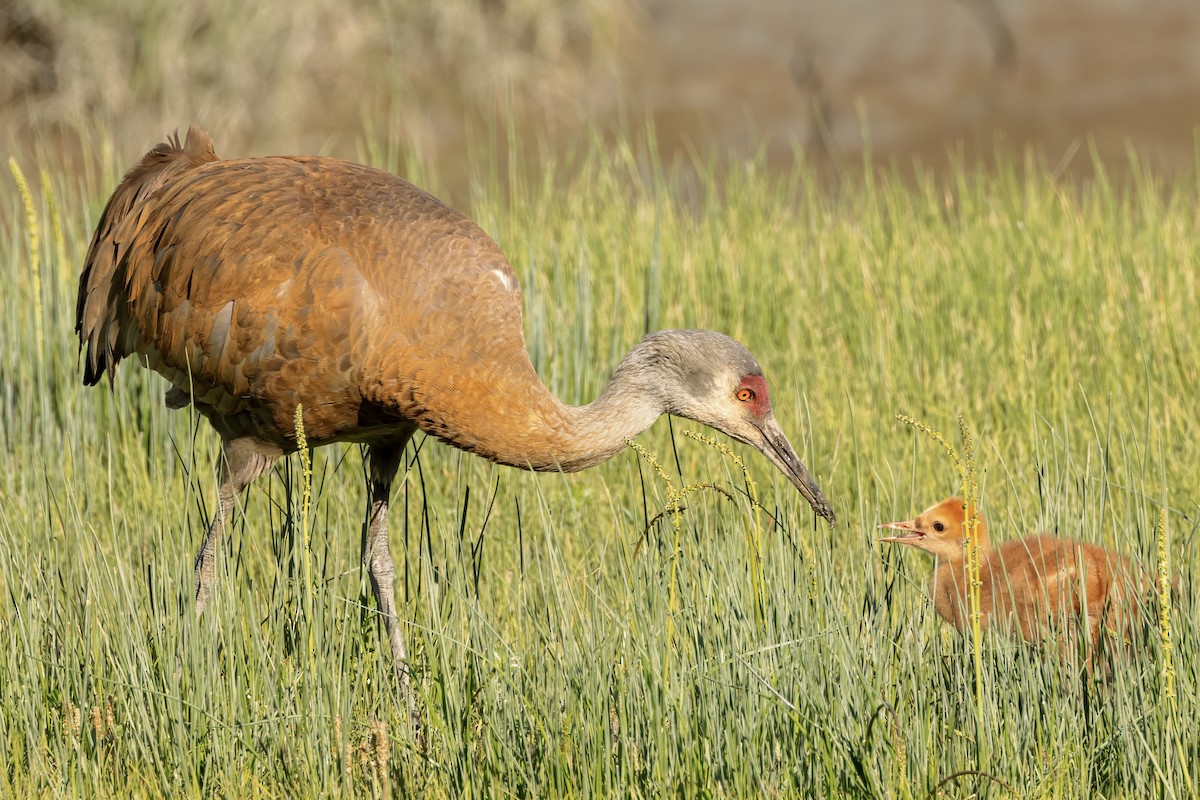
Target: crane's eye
[
  {"x": 745, "y": 395},
  {"x": 939, "y": 527}
]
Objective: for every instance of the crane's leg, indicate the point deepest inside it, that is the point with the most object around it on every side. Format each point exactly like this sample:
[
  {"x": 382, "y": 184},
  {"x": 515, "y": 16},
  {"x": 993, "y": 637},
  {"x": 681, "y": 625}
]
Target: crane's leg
[
  {"x": 383, "y": 461},
  {"x": 242, "y": 460}
]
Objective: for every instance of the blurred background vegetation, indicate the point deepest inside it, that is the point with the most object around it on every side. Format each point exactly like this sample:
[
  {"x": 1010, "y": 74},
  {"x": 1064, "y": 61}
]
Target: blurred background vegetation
[{"x": 933, "y": 79}]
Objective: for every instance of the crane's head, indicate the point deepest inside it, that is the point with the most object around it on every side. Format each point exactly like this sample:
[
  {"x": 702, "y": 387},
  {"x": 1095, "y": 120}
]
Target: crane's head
[
  {"x": 939, "y": 530},
  {"x": 710, "y": 378}
]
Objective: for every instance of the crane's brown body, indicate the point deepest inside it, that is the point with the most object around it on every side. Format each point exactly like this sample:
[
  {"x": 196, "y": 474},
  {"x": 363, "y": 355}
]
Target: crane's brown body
[
  {"x": 1036, "y": 588},
  {"x": 259, "y": 285}
]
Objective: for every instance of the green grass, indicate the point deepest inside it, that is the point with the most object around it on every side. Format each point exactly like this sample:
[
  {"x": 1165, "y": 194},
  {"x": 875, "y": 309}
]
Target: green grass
[{"x": 1058, "y": 320}]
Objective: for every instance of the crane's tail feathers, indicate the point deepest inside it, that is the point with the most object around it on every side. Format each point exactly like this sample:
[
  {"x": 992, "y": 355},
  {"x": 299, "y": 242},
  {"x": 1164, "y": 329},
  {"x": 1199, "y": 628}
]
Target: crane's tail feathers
[{"x": 101, "y": 315}]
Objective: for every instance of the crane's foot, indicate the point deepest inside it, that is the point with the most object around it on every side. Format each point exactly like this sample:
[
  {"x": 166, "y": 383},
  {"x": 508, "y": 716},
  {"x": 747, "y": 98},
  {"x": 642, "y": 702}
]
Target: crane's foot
[
  {"x": 400, "y": 661},
  {"x": 382, "y": 580}
]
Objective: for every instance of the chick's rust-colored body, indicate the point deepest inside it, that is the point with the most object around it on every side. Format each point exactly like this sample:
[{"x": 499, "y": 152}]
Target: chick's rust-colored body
[{"x": 1036, "y": 588}]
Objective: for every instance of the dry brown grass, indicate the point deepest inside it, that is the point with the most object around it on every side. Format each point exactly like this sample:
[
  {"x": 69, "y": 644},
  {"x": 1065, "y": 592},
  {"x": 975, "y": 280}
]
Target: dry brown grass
[{"x": 311, "y": 76}]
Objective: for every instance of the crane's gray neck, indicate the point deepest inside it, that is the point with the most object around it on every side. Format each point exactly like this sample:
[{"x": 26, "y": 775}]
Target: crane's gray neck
[
  {"x": 633, "y": 399},
  {"x": 511, "y": 418}
]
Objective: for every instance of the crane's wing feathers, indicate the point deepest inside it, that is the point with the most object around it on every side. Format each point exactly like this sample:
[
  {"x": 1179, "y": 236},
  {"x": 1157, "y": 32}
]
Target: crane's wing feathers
[{"x": 99, "y": 317}]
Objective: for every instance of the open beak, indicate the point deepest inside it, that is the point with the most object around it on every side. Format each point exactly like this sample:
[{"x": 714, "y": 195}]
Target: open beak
[
  {"x": 775, "y": 446},
  {"x": 910, "y": 536}
]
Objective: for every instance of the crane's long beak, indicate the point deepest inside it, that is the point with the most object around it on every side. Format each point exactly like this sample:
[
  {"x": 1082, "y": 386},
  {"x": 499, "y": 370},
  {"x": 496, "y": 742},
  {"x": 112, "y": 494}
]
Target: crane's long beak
[
  {"x": 911, "y": 534},
  {"x": 778, "y": 449}
]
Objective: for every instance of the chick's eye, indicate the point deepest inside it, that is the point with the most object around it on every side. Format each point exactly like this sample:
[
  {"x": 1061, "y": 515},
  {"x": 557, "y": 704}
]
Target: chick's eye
[
  {"x": 939, "y": 527},
  {"x": 745, "y": 395}
]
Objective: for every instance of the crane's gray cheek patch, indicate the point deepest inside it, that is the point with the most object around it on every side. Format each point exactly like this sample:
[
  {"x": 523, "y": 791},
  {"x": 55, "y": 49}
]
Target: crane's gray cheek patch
[{"x": 699, "y": 383}]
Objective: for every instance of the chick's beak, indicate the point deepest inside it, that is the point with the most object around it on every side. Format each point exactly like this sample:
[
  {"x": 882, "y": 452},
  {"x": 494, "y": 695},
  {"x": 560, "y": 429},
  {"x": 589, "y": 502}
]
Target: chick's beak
[
  {"x": 775, "y": 446},
  {"x": 911, "y": 534}
]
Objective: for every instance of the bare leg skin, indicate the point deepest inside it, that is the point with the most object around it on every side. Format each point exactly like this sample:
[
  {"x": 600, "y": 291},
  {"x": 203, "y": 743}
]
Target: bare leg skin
[
  {"x": 242, "y": 461},
  {"x": 383, "y": 463}
]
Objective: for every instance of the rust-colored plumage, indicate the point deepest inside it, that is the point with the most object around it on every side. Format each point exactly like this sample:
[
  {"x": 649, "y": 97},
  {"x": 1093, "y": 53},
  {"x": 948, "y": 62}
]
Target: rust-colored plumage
[
  {"x": 261, "y": 284},
  {"x": 1036, "y": 588}
]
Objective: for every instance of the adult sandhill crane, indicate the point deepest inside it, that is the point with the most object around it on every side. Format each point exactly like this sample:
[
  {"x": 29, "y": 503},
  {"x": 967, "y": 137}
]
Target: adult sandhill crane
[
  {"x": 1034, "y": 587},
  {"x": 261, "y": 284}
]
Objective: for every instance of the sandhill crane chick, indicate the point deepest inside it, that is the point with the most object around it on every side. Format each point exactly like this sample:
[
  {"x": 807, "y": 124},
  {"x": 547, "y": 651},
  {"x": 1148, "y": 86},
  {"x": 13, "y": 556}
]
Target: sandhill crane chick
[{"x": 1036, "y": 588}]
